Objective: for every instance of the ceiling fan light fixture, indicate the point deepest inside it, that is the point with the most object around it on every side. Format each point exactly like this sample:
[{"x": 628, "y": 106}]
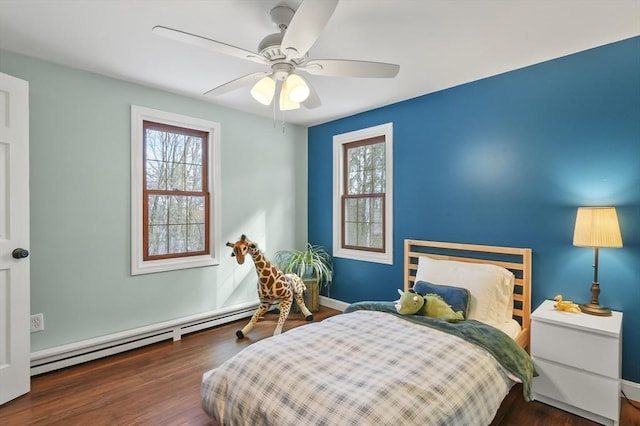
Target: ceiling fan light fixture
[
  {"x": 264, "y": 90},
  {"x": 285, "y": 53},
  {"x": 286, "y": 104},
  {"x": 298, "y": 88}
]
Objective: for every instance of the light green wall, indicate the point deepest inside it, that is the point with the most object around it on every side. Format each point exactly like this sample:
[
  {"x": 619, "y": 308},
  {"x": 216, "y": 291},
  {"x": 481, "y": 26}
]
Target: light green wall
[{"x": 80, "y": 204}]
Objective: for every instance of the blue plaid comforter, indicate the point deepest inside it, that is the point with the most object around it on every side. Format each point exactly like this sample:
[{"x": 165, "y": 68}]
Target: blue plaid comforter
[{"x": 361, "y": 368}]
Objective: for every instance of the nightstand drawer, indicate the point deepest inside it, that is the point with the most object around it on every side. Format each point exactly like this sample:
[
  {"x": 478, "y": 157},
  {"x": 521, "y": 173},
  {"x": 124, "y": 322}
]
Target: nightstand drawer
[
  {"x": 580, "y": 389},
  {"x": 597, "y": 353}
]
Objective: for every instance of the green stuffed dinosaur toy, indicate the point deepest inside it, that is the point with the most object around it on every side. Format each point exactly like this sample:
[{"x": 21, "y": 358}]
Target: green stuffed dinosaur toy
[{"x": 430, "y": 305}]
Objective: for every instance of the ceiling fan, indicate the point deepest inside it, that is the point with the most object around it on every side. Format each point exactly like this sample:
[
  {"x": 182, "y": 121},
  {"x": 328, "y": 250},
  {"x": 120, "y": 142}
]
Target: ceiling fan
[{"x": 285, "y": 53}]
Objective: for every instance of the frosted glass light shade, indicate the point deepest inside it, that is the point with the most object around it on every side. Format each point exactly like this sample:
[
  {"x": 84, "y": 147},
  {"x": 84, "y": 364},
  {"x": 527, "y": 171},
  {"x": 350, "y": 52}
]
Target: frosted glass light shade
[
  {"x": 264, "y": 90},
  {"x": 597, "y": 227},
  {"x": 286, "y": 104},
  {"x": 298, "y": 88}
]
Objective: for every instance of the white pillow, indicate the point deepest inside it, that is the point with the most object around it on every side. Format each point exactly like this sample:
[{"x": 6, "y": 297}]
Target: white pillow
[{"x": 491, "y": 286}]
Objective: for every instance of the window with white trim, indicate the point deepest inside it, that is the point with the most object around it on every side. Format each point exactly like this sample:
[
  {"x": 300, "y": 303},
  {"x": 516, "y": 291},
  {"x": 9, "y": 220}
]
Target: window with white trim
[
  {"x": 363, "y": 194},
  {"x": 174, "y": 186}
]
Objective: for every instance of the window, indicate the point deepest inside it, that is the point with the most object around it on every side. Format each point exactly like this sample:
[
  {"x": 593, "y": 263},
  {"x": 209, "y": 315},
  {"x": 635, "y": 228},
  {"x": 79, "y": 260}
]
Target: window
[
  {"x": 175, "y": 198},
  {"x": 174, "y": 186},
  {"x": 363, "y": 194}
]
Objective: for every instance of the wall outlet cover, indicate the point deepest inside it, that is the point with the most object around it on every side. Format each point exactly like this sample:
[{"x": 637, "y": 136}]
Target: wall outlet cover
[{"x": 37, "y": 322}]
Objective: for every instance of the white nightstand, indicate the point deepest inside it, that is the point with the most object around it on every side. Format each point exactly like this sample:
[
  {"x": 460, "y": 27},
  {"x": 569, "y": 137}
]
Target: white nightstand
[{"x": 578, "y": 359}]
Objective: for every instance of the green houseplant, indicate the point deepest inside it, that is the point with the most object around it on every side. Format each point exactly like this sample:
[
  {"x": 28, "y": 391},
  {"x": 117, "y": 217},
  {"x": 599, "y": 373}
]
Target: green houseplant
[{"x": 313, "y": 261}]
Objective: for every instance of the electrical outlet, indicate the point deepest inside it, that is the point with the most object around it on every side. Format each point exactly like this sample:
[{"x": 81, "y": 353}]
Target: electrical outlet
[{"x": 37, "y": 322}]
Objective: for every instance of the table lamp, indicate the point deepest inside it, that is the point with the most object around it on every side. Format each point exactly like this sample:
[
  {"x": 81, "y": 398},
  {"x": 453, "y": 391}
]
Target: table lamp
[{"x": 596, "y": 227}]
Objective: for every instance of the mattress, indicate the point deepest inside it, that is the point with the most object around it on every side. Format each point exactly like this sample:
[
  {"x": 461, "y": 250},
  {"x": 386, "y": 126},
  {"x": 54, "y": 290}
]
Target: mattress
[{"x": 511, "y": 328}]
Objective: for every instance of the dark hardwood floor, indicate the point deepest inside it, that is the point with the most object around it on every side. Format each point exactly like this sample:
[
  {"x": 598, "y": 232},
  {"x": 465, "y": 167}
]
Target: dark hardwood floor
[{"x": 160, "y": 385}]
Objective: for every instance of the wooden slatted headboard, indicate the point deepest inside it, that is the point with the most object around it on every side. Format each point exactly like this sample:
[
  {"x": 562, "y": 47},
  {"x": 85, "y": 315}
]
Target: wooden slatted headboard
[{"x": 517, "y": 260}]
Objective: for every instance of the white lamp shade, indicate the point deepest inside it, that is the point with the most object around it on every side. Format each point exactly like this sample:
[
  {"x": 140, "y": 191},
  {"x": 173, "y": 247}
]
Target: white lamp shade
[
  {"x": 264, "y": 90},
  {"x": 286, "y": 104},
  {"x": 597, "y": 227},
  {"x": 298, "y": 88}
]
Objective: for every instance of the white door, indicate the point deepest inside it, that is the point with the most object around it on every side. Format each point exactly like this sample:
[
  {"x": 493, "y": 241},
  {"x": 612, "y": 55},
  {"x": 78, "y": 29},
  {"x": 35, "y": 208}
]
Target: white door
[{"x": 15, "y": 344}]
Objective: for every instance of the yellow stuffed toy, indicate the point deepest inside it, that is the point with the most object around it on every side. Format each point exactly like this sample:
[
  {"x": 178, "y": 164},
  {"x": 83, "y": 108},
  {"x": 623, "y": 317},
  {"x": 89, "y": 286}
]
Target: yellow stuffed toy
[{"x": 566, "y": 305}]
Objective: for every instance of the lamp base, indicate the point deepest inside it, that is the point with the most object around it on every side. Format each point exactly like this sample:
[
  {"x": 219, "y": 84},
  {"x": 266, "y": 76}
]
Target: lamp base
[{"x": 593, "y": 309}]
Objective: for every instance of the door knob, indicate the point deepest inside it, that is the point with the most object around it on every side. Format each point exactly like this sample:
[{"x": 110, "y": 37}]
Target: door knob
[{"x": 20, "y": 253}]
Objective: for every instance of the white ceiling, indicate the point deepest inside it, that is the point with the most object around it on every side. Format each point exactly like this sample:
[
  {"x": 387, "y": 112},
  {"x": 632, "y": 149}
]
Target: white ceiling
[{"x": 437, "y": 43}]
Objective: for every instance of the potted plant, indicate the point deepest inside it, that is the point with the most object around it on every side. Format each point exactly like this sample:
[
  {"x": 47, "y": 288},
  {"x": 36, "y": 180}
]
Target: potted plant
[{"x": 311, "y": 264}]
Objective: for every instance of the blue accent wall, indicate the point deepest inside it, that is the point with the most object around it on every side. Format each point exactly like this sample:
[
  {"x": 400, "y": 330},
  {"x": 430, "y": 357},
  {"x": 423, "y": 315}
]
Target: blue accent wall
[{"x": 506, "y": 161}]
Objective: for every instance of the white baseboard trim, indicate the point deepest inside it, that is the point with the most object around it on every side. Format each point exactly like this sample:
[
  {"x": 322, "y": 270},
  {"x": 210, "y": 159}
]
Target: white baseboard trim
[
  {"x": 333, "y": 303},
  {"x": 631, "y": 390},
  {"x": 88, "y": 350}
]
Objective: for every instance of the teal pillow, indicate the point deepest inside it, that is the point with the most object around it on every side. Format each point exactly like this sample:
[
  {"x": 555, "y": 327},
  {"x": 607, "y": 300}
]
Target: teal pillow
[{"x": 457, "y": 297}]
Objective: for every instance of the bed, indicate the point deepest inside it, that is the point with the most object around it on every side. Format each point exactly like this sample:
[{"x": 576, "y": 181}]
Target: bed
[{"x": 371, "y": 366}]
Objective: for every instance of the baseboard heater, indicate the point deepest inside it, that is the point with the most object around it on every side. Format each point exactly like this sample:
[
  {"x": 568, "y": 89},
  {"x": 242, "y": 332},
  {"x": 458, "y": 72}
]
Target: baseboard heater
[{"x": 88, "y": 350}]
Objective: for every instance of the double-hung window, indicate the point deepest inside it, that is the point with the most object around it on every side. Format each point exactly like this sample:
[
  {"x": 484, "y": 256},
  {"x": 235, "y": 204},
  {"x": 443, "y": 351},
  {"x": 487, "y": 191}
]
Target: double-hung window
[
  {"x": 175, "y": 194},
  {"x": 174, "y": 186},
  {"x": 363, "y": 194}
]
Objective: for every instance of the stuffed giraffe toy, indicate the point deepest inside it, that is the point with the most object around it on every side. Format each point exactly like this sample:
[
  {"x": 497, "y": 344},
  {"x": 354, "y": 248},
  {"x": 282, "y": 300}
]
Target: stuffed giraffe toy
[{"x": 273, "y": 286}]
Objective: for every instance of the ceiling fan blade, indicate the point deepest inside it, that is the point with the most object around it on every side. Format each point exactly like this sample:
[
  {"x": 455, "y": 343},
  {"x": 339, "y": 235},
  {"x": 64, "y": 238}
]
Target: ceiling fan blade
[
  {"x": 207, "y": 43},
  {"x": 237, "y": 83},
  {"x": 347, "y": 68},
  {"x": 306, "y": 25}
]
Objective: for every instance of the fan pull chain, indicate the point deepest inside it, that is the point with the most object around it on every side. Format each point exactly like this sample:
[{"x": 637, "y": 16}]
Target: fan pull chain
[
  {"x": 274, "y": 114},
  {"x": 281, "y": 118}
]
